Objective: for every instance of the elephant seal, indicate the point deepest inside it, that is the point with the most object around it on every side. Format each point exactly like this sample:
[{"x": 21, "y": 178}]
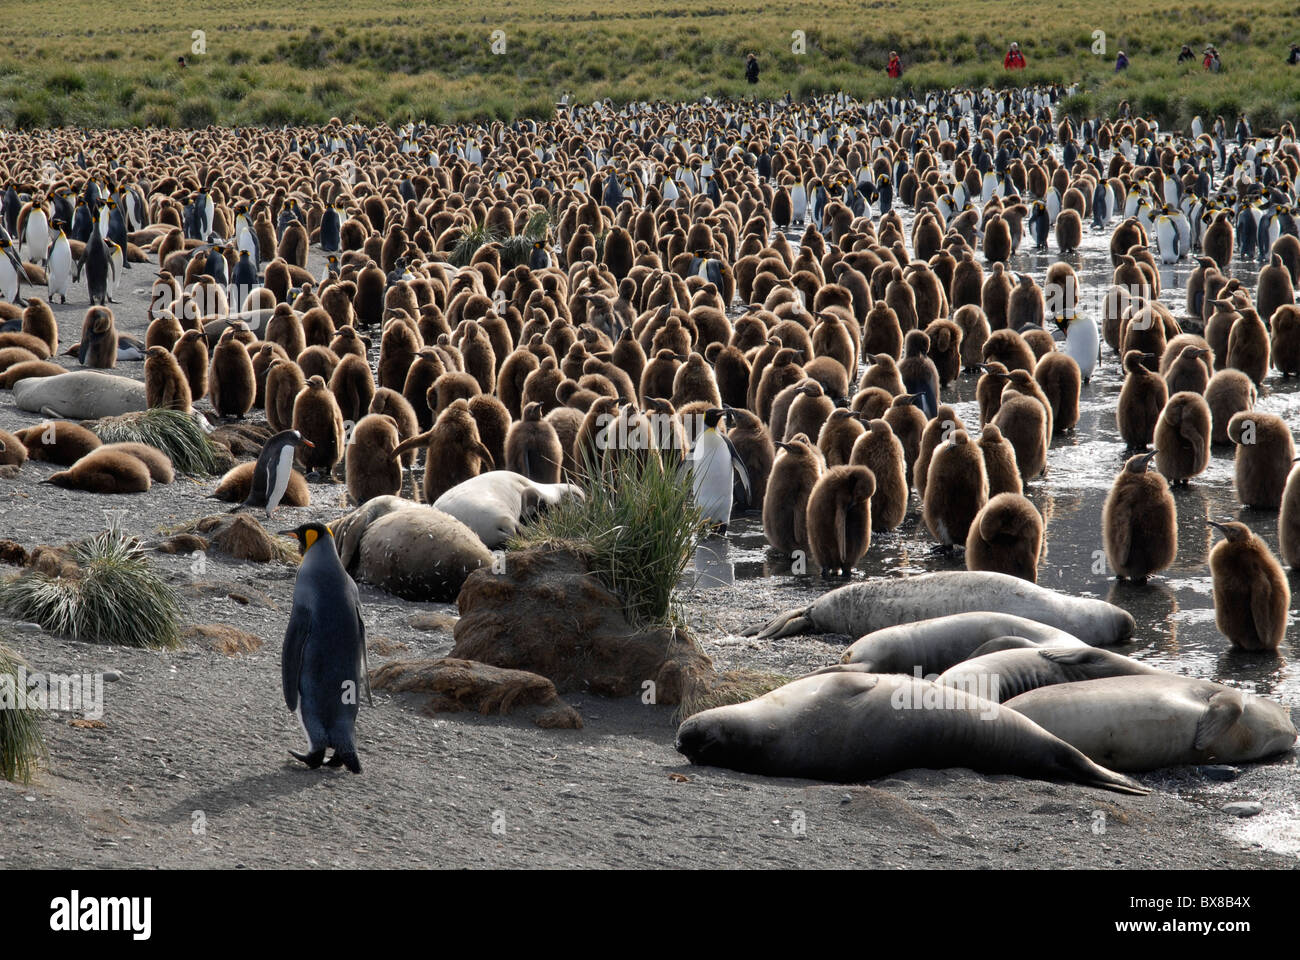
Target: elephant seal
[
  {"x": 80, "y": 395},
  {"x": 493, "y": 504},
  {"x": 349, "y": 530},
  {"x": 850, "y": 726},
  {"x": 934, "y": 645},
  {"x": 1149, "y": 722},
  {"x": 860, "y": 608},
  {"x": 1009, "y": 673}
]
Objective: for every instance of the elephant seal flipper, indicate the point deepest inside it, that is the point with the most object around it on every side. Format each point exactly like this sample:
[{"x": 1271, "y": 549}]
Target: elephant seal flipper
[
  {"x": 1223, "y": 710},
  {"x": 788, "y": 624}
]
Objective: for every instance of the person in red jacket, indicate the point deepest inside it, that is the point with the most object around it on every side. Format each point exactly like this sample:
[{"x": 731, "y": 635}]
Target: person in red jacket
[
  {"x": 895, "y": 67},
  {"x": 1014, "y": 60}
]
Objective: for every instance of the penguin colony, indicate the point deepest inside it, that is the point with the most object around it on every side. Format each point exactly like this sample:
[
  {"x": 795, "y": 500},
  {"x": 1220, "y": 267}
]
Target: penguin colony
[{"x": 661, "y": 309}]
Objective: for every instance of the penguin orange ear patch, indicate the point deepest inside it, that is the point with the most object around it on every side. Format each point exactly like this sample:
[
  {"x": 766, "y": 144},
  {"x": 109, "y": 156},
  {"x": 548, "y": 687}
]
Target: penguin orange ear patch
[{"x": 309, "y": 537}]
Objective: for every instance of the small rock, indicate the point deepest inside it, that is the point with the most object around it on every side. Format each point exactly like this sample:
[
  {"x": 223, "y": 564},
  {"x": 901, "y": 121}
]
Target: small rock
[
  {"x": 27, "y": 627},
  {"x": 1219, "y": 771},
  {"x": 112, "y": 676},
  {"x": 847, "y": 798},
  {"x": 1243, "y": 808}
]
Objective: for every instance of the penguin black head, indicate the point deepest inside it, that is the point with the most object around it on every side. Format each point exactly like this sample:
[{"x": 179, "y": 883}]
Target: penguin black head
[{"x": 308, "y": 534}]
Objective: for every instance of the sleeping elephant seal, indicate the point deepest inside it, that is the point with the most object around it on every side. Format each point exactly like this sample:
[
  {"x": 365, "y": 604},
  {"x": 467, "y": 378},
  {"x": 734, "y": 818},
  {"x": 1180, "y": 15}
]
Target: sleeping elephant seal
[
  {"x": 1009, "y": 673},
  {"x": 860, "y": 608},
  {"x": 1149, "y": 722},
  {"x": 934, "y": 645},
  {"x": 851, "y": 726},
  {"x": 493, "y": 504},
  {"x": 408, "y": 549},
  {"x": 80, "y": 395}
]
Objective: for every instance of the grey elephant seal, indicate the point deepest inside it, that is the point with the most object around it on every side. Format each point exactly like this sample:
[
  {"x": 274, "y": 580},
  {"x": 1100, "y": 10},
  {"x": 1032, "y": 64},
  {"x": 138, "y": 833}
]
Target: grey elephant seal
[
  {"x": 1149, "y": 722},
  {"x": 80, "y": 395},
  {"x": 410, "y": 550},
  {"x": 1009, "y": 673},
  {"x": 934, "y": 645},
  {"x": 493, "y": 504},
  {"x": 851, "y": 726},
  {"x": 861, "y": 608}
]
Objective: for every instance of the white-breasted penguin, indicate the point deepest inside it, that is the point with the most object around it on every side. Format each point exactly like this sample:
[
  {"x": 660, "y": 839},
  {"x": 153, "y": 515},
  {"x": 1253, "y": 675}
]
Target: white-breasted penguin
[
  {"x": 273, "y": 469},
  {"x": 713, "y": 460}
]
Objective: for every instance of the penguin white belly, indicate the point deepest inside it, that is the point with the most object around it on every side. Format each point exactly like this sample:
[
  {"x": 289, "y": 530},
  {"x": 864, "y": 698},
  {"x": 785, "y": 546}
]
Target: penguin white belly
[
  {"x": 8, "y": 280},
  {"x": 60, "y": 274},
  {"x": 278, "y": 482},
  {"x": 711, "y": 477},
  {"x": 1082, "y": 344}
]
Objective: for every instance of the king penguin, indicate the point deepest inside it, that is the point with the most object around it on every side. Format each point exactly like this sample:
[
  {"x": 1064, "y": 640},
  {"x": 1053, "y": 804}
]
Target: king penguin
[
  {"x": 713, "y": 459},
  {"x": 323, "y": 663},
  {"x": 273, "y": 469}
]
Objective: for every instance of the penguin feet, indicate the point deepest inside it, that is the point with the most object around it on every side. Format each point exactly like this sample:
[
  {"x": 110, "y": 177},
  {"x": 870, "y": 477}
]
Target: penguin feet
[
  {"x": 348, "y": 760},
  {"x": 313, "y": 760}
]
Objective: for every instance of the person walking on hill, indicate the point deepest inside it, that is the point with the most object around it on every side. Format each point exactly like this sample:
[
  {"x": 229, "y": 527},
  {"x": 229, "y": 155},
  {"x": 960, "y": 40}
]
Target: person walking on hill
[
  {"x": 1121, "y": 62},
  {"x": 895, "y": 66},
  {"x": 751, "y": 68},
  {"x": 1293, "y": 57},
  {"x": 1211, "y": 61},
  {"x": 1186, "y": 54},
  {"x": 1014, "y": 60}
]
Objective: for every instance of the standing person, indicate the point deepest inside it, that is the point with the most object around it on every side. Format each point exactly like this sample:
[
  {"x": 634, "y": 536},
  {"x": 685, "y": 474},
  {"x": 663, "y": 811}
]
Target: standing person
[
  {"x": 895, "y": 66},
  {"x": 1294, "y": 57},
  {"x": 1211, "y": 61},
  {"x": 1121, "y": 62},
  {"x": 1014, "y": 60},
  {"x": 1186, "y": 54},
  {"x": 751, "y": 68}
]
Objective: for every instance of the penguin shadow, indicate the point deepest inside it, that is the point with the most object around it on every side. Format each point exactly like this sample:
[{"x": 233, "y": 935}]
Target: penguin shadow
[
  {"x": 260, "y": 789},
  {"x": 712, "y": 566},
  {"x": 1152, "y": 603}
]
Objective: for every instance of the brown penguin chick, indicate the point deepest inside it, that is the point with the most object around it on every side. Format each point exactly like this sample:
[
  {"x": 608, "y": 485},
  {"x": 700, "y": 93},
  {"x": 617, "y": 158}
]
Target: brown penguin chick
[
  {"x": 1141, "y": 399},
  {"x": 659, "y": 375},
  {"x": 795, "y": 472},
  {"x": 423, "y": 374},
  {"x": 480, "y": 359},
  {"x": 837, "y": 436},
  {"x": 158, "y": 463},
  {"x": 1006, "y": 537},
  {"x": 105, "y": 471},
  {"x": 316, "y": 416},
  {"x": 988, "y": 390},
  {"x": 1248, "y": 346},
  {"x": 1288, "y": 521},
  {"x": 540, "y": 385},
  {"x": 1025, "y": 307},
  {"x": 908, "y": 424},
  {"x": 693, "y": 382},
  {"x": 164, "y": 381},
  {"x": 284, "y": 381},
  {"x": 1039, "y": 340},
  {"x": 454, "y": 451},
  {"x": 754, "y": 445},
  {"x": 997, "y": 240},
  {"x": 368, "y": 302},
  {"x": 1228, "y": 393},
  {"x": 945, "y": 349},
  {"x": 533, "y": 447},
  {"x": 999, "y": 461},
  {"x": 779, "y": 374},
  {"x": 348, "y": 341},
  {"x": 1023, "y": 422},
  {"x": 1139, "y": 523},
  {"x": 1069, "y": 231},
  {"x": 369, "y": 464},
  {"x": 391, "y": 403},
  {"x": 1284, "y": 342},
  {"x": 882, "y": 333},
  {"x": 1058, "y": 376},
  {"x": 1009, "y": 348},
  {"x": 1190, "y": 370},
  {"x": 800, "y": 408},
  {"x": 493, "y": 421},
  {"x": 882, "y": 453},
  {"x": 262, "y": 357},
  {"x": 589, "y": 445},
  {"x": 956, "y": 489},
  {"x": 318, "y": 326},
  {"x": 995, "y": 296},
  {"x": 830, "y": 374},
  {"x": 937, "y": 430},
  {"x": 1182, "y": 437},
  {"x": 1265, "y": 450},
  {"x": 27, "y": 369},
  {"x": 918, "y": 371},
  {"x": 237, "y": 483},
  {"x": 58, "y": 441},
  {"x": 1251, "y": 595},
  {"x": 38, "y": 321},
  {"x": 1274, "y": 288},
  {"x": 191, "y": 352},
  {"x": 285, "y": 328},
  {"x": 839, "y": 518},
  {"x": 1018, "y": 381},
  {"x": 232, "y": 385},
  {"x": 882, "y": 372},
  {"x": 164, "y": 331},
  {"x": 397, "y": 349},
  {"x": 731, "y": 372},
  {"x": 353, "y": 387},
  {"x": 871, "y": 402},
  {"x": 98, "y": 345},
  {"x": 567, "y": 422},
  {"x": 975, "y": 333},
  {"x": 1218, "y": 240}
]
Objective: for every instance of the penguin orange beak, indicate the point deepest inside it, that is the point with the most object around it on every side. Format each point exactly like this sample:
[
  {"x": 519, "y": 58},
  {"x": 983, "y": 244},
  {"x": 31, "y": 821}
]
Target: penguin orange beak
[{"x": 307, "y": 443}]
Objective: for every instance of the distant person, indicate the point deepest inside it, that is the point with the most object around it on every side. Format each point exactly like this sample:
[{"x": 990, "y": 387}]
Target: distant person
[
  {"x": 895, "y": 67},
  {"x": 1014, "y": 60},
  {"x": 1186, "y": 54},
  {"x": 180, "y": 62},
  {"x": 1293, "y": 57},
  {"x": 1121, "y": 62},
  {"x": 1211, "y": 61},
  {"x": 751, "y": 68}
]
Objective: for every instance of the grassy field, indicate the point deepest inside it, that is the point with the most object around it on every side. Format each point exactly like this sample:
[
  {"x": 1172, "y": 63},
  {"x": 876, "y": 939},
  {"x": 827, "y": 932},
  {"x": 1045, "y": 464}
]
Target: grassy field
[{"x": 113, "y": 62}]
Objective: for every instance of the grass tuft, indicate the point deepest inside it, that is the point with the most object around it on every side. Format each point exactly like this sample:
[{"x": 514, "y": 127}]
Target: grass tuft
[
  {"x": 118, "y": 599},
  {"x": 175, "y": 433},
  {"x": 22, "y": 746}
]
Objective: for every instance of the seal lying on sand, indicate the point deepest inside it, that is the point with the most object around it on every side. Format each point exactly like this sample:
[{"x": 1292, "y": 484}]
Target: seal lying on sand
[
  {"x": 80, "y": 395},
  {"x": 850, "y": 726},
  {"x": 493, "y": 504},
  {"x": 1149, "y": 722},
  {"x": 1009, "y": 673},
  {"x": 860, "y": 608},
  {"x": 934, "y": 645}
]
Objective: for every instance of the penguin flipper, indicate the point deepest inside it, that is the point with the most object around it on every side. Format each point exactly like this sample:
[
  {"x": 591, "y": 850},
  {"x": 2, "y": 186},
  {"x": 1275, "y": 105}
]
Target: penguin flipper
[
  {"x": 295, "y": 641},
  {"x": 738, "y": 465},
  {"x": 365, "y": 663}
]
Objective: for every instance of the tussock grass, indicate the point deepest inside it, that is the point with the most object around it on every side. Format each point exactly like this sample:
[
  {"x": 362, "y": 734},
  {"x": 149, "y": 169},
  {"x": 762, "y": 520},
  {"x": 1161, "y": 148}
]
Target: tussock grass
[
  {"x": 637, "y": 525},
  {"x": 477, "y": 236},
  {"x": 118, "y": 599},
  {"x": 724, "y": 689},
  {"x": 22, "y": 745},
  {"x": 175, "y": 433}
]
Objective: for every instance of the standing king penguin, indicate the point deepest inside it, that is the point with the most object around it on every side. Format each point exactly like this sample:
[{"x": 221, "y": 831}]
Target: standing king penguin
[
  {"x": 713, "y": 459},
  {"x": 323, "y": 662}
]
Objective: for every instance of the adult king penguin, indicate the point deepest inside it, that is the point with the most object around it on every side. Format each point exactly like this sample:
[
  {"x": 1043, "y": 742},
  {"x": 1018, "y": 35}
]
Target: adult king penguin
[
  {"x": 273, "y": 469},
  {"x": 713, "y": 459},
  {"x": 323, "y": 662}
]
